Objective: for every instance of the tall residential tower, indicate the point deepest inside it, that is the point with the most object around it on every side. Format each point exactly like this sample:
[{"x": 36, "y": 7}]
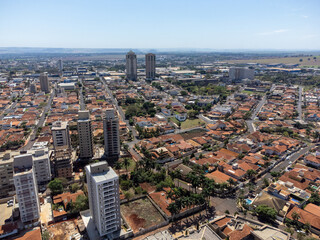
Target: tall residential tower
[
  {"x": 104, "y": 201},
  {"x": 131, "y": 66},
  {"x": 25, "y": 183},
  {"x": 60, "y": 134},
  {"x": 111, "y": 135},
  {"x": 85, "y": 135},
  {"x": 150, "y": 66},
  {"x": 44, "y": 82}
]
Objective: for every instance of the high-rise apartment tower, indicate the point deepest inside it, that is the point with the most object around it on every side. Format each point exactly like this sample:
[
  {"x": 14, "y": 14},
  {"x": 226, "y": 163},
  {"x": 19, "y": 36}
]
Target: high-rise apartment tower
[
  {"x": 150, "y": 66},
  {"x": 104, "y": 200},
  {"x": 131, "y": 66},
  {"x": 111, "y": 135},
  {"x": 85, "y": 135}
]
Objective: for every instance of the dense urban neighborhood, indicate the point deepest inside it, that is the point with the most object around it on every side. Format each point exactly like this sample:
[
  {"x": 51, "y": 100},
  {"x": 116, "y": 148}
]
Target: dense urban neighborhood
[{"x": 139, "y": 145}]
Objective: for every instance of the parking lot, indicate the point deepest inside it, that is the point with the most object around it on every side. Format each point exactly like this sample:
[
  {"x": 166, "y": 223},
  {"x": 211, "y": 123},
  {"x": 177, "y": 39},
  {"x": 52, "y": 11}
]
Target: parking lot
[{"x": 6, "y": 212}]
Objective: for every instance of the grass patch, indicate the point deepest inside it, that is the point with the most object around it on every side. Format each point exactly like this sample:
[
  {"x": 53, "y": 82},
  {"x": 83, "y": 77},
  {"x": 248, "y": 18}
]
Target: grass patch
[
  {"x": 131, "y": 166},
  {"x": 253, "y": 93},
  {"x": 189, "y": 123}
]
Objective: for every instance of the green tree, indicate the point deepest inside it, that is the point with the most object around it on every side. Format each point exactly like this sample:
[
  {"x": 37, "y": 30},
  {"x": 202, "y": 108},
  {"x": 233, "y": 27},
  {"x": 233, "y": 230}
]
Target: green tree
[
  {"x": 173, "y": 209},
  {"x": 266, "y": 213},
  {"x": 251, "y": 173},
  {"x": 56, "y": 186},
  {"x": 118, "y": 166},
  {"x": 126, "y": 163},
  {"x": 295, "y": 216},
  {"x": 74, "y": 187},
  {"x": 315, "y": 199},
  {"x": 127, "y": 196},
  {"x": 183, "y": 93}
]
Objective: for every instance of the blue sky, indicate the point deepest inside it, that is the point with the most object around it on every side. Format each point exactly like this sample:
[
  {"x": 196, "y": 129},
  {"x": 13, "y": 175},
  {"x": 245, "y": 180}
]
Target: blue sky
[{"x": 225, "y": 24}]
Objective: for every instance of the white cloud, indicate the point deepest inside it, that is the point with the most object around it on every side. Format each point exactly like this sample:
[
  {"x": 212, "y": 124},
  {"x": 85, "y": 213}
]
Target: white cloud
[
  {"x": 304, "y": 16},
  {"x": 274, "y": 32}
]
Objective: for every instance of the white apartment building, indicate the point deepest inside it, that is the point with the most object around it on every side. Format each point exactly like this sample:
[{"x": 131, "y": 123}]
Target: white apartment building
[
  {"x": 60, "y": 134},
  {"x": 44, "y": 82},
  {"x": 131, "y": 66},
  {"x": 111, "y": 134},
  {"x": 26, "y": 188},
  {"x": 104, "y": 200},
  {"x": 41, "y": 165},
  {"x": 85, "y": 135}
]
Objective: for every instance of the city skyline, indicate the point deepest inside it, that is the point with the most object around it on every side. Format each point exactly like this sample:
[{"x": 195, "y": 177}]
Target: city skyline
[{"x": 210, "y": 24}]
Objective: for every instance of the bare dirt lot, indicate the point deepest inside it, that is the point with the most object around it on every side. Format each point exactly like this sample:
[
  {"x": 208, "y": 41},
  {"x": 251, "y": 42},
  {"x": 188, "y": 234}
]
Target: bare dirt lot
[
  {"x": 63, "y": 230},
  {"x": 193, "y": 133},
  {"x": 141, "y": 214}
]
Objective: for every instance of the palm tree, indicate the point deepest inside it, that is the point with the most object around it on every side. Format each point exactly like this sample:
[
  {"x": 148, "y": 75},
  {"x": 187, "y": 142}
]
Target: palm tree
[
  {"x": 194, "y": 180},
  {"x": 307, "y": 227},
  {"x": 186, "y": 202},
  {"x": 126, "y": 163},
  {"x": 118, "y": 166},
  {"x": 170, "y": 195},
  {"x": 173, "y": 209},
  {"x": 126, "y": 147}
]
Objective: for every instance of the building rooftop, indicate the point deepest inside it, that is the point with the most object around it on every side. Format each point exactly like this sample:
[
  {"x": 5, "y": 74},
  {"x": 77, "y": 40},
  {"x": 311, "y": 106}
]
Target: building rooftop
[
  {"x": 100, "y": 171},
  {"x": 59, "y": 125}
]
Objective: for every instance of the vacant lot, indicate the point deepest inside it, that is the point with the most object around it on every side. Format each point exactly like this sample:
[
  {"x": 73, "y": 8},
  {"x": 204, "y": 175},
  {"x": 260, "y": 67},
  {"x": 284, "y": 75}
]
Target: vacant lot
[
  {"x": 62, "y": 230},
  {"x": 189, "y": 123},
  {"x": 285, "y": 60},
  {"x": 193, "y": 133},
  {"x": 141, "y": 214}
]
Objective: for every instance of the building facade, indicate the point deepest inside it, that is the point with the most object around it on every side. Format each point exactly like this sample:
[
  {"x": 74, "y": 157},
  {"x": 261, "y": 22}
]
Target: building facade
[
  {"x": 44, "y": 82},
  {"x": 131, "y": 66},
  {"x": 111, "y": 135},
  {"x": 60, "y": 134},
  {"x": 150, "y": 66},
  {"x": 26, "y": 188},
  {"x": 60, "y": 65},
  {"x": 41, "y": 165},
  {"x": 6, "y": 173},
  {"x": 104, "y": 200},
  {"x": 239, "y": 73},
  {"x": 85, "y": 135},
  {"x": 33, "y": 88},
  {"x": 62, "y": 160}
]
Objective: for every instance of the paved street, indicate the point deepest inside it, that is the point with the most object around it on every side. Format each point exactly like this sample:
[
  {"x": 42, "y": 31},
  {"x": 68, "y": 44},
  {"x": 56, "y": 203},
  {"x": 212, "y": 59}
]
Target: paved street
[
  {"x": 284, "y": 164},
  {"x": 8, "y": 110},
  {"x": 122, "y": 115},
  {"x": 250, "y": 122},
  {"x": 299, "y": 107},
  {"x": 32, "y": 137}
]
